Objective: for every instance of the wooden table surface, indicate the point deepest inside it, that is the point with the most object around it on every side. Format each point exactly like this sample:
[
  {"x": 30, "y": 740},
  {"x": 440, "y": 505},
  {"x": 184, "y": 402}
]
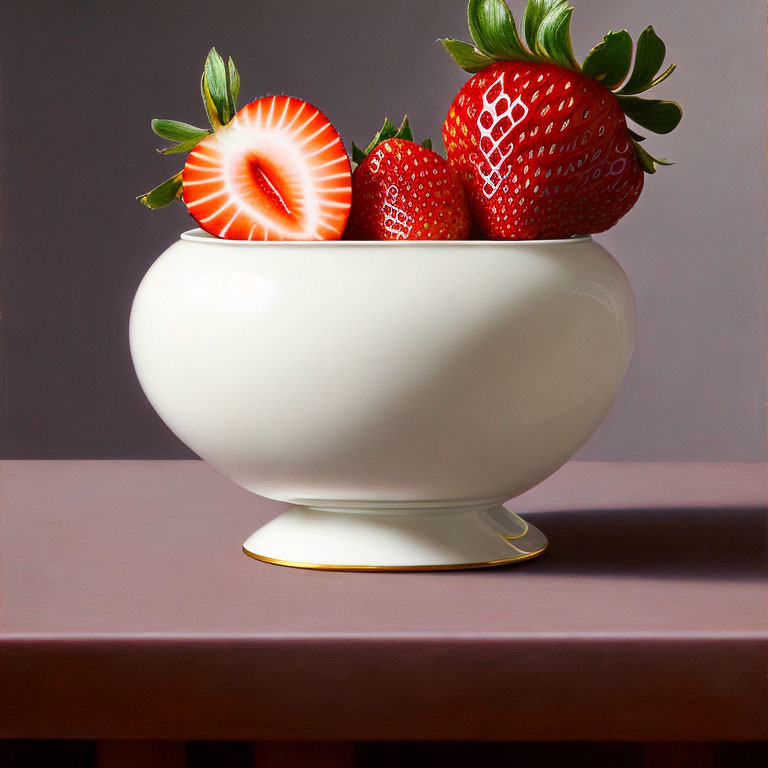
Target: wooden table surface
[{"x": 129, "y": 611}]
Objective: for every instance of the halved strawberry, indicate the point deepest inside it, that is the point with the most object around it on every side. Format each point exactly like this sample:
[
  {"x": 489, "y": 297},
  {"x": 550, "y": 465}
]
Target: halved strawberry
[{"x": 277, "y": 171}]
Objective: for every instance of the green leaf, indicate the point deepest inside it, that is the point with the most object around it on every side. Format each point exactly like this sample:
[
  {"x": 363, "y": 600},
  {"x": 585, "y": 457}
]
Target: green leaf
[
  {"x": 233, "y": 80},
  {"x": 466, "y": 55},
  {"x": 215, "y": 88},
  {"x": 177, "y": 131},
  {"x": 635, "y": 136},
  {"x": 664, "y": 75},
  {"x": 358, "y": 155},
  {"x": 647, "y": 161},
  {"x": 553, "y": 38},
  {"x": 388, "y": 131},
  {"x": 210, "y": 107},
  {"x": 404, "y": 131},
  {"x": 164, "y": 194},
  {"x": 187, "y": 135},
  {"x": 184, "y": 146},
  {"x": 655, "y": 115},
  {"x": 494, "y": 31},
  {"x": 648, "y": 60},
  {"x": 230, "y": 101},
  {"x": 534, "y": 14},
  {"x": 609, "y": 60},
  {"x": 217, "y": 77}
]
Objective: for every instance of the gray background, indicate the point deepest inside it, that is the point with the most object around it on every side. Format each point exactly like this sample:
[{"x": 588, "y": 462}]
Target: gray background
[{"x": 81, "y": 81}]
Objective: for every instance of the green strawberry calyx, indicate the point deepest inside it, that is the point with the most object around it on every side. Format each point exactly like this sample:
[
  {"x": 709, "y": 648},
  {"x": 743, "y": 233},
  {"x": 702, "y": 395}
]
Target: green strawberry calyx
[
  {"x": 388, "y": 131},
  {"x": 546, "y": 29},
  {"x": 219, "y": 88}
]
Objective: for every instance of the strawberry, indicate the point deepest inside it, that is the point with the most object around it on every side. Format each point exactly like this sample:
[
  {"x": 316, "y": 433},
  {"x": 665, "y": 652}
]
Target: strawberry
[
  {"x": 404, "y": 191},
  {"x": 275, "y": 170},
  {"x": 541, "y": 143}
]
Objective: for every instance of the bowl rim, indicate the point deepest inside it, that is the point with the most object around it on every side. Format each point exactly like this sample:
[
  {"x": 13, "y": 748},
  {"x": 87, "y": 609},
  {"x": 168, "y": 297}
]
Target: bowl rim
[{"x": 198, "y": 235}]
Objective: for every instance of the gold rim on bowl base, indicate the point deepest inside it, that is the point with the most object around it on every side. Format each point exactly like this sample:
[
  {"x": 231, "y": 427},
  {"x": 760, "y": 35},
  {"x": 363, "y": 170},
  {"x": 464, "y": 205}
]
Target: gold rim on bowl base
[{"x": 393, "y": 568}]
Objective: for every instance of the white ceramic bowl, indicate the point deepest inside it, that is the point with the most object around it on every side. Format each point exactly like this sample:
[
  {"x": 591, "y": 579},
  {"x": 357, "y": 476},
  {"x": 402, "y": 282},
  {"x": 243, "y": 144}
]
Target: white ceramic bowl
[{"x": 395, "y": 392}]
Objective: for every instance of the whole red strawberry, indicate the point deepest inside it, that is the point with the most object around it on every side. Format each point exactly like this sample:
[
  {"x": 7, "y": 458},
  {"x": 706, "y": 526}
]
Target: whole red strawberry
[
  {"x": 404, "y": 191},
  {"x": 541, "y": 143}
]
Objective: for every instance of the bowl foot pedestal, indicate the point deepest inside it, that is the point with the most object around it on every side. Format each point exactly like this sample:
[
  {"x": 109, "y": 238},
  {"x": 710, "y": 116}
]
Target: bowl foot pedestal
[{"x": 388, "y": 538}]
